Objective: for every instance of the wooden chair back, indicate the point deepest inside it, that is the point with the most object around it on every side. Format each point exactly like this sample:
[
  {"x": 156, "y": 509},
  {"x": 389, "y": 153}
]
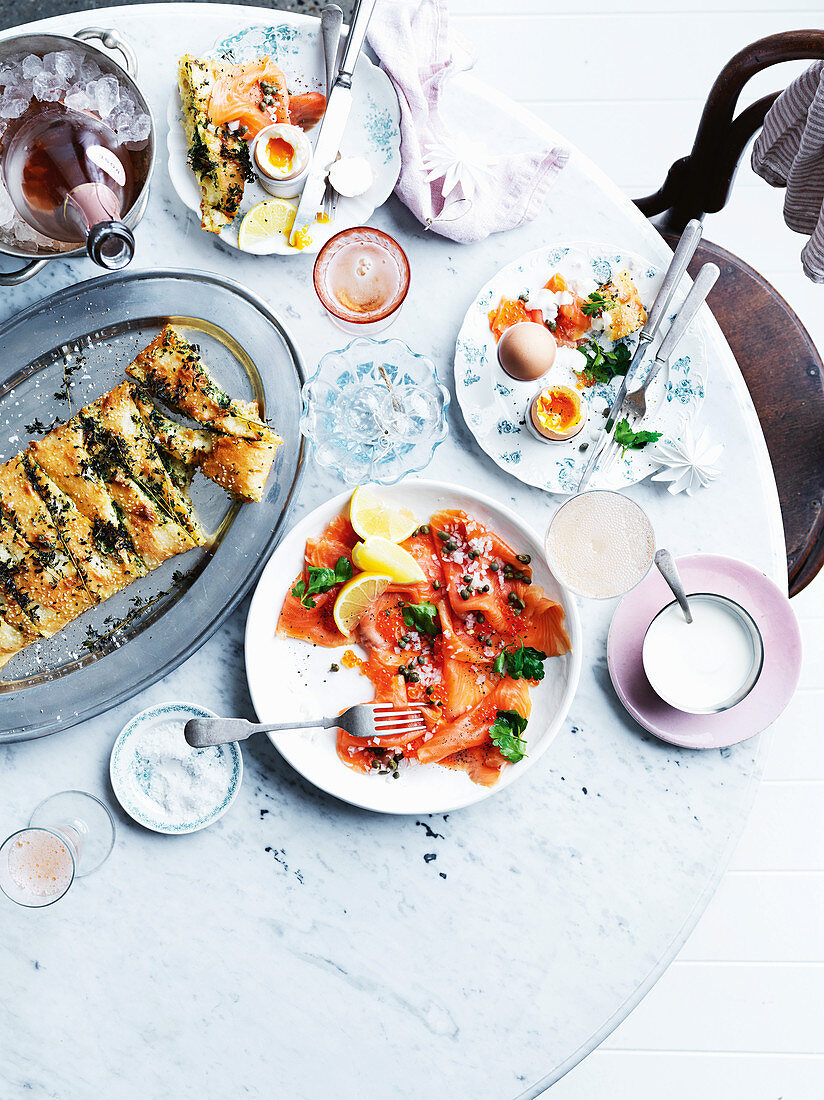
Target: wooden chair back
[{"x": 780, "y": 364}]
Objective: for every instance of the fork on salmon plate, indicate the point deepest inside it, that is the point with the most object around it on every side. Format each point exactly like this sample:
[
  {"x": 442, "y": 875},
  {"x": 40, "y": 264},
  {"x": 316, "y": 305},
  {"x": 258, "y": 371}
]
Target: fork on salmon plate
[{"x": 366, "y": 720}]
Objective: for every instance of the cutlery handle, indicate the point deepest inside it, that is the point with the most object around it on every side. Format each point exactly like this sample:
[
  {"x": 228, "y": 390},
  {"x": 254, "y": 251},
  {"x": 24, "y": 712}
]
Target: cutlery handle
[
  {"x": 684, "y": 252},
  {"x": 704, "y": 282},
  {"x": 669, "y": 571},
  {"x": 331, "y": 21},
  {"x": 202, "y": 733},
  {"x": 355, "y": 40}
]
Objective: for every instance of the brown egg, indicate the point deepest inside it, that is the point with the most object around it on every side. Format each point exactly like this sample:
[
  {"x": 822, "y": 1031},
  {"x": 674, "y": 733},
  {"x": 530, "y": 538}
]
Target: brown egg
[{"x": 526, "y": 351}]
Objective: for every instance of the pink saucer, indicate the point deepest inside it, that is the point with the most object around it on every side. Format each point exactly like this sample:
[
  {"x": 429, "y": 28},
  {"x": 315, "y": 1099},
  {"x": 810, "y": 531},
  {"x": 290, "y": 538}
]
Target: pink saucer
[{"x": 782, "y": 653}]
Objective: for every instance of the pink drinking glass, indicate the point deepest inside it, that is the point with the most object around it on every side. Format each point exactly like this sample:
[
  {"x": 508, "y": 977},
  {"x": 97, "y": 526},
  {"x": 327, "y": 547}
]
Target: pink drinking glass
[{"x": 381, "y": 316}]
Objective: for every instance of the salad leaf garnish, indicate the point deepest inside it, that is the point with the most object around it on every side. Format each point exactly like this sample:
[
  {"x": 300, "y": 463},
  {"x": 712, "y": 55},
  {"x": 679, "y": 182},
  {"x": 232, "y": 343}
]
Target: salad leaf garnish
[
  {"x": 603, "y": 366},
  {"x": 506, "y": 732},
  {"x": 322, "y": 579},
  {"x": 626, "y": 438},
  {"x": 523, "y": 663},
  {"x": 595, "y": 304},
  {"x": 422, "y": 617}
]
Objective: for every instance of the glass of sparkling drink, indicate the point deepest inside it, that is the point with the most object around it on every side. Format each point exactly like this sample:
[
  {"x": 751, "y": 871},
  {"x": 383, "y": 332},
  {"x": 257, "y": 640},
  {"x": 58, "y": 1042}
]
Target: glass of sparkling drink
[
  {"x": 70, "y": 834},
  {"x": 361, "y": 276},
  {"x": 600, "y": 544}
]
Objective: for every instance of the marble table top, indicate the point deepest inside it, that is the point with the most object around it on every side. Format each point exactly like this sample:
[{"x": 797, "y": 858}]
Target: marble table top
[{"x": 305, "y": 949}]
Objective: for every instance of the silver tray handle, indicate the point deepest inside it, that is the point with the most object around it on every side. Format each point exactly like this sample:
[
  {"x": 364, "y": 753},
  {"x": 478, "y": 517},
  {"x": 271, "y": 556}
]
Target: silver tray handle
[
  {"x": 112, "y": 41},
  {"x": 28, "y": 271}
]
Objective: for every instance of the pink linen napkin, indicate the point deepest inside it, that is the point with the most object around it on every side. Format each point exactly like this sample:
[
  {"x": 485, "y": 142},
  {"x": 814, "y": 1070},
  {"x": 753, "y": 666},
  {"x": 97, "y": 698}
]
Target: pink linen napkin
[
  {"x": 449, "y": 181},
  {"x": 789, "y": 152}
]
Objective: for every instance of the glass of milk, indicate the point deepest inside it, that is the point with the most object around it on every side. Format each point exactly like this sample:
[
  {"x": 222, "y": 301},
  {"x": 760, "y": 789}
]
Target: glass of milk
[{"x": 708, "y": 665}]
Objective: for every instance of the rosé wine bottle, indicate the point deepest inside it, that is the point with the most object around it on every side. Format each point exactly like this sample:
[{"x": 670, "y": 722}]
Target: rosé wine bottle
[{"x": 71, "y": 179}]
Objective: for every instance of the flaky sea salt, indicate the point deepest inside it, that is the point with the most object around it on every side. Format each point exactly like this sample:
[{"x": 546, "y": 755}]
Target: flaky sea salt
[{"x": 169, "y": 782}]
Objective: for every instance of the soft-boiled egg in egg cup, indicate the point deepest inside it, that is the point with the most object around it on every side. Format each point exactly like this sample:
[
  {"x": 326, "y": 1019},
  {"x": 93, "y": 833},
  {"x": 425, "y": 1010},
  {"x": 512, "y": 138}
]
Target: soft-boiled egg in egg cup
[
  {"x": 281, "y": 156},
  {"x": 556, "y": 414}
]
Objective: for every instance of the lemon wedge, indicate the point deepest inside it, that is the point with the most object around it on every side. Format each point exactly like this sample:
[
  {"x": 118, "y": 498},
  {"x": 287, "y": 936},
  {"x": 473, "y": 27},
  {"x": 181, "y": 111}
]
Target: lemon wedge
[
  {"x": 354, "y": 598},
  {"x": 379, "y": 555},
  {"x": 371, "y": 517},
  {"x": 267, "y": 220}
]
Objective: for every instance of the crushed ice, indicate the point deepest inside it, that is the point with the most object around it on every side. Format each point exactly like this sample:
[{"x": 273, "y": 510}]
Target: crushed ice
[{"x": 80, "y": 83}]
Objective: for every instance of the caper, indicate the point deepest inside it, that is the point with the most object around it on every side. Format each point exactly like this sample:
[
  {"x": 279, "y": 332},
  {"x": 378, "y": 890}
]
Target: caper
[
  {"x": 525, "y": 559},
  {"x": 423, "y": 529}
]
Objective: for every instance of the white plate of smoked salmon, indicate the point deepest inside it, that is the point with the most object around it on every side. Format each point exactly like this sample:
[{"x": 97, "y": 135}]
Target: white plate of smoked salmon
[{"x": 432, "y": 596}]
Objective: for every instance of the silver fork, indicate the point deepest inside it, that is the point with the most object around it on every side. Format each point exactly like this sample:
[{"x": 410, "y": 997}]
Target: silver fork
[
  {"x": 634, "y": 406},
  {"x": 365, "y": 720}
]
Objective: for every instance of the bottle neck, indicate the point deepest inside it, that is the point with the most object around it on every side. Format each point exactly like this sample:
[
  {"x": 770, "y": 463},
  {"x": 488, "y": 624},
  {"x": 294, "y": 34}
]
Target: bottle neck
[
  {"x": 94, "y": 209},
  {"x": 110, "y": 244}
]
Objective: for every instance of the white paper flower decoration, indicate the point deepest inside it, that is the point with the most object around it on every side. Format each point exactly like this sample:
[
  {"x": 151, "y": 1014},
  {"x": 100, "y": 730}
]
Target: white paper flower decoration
[
  {"x": 688, "y": 463},
  {"x": 462, "y": 163}
]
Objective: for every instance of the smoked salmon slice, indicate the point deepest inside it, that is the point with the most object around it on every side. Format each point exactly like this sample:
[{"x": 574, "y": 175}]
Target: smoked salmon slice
[
  {"x": 447, "y": 646},
  {"x": 306, "y": 110},
  {"x": 254, "y": 94}
]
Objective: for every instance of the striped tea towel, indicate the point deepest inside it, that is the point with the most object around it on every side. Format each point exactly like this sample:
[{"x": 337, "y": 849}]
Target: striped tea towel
[{"x": 789, "y": 153}]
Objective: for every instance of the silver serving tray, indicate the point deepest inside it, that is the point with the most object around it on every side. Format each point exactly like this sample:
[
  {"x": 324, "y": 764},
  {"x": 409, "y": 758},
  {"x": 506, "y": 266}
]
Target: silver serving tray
[{"x": 60, "y": 354}]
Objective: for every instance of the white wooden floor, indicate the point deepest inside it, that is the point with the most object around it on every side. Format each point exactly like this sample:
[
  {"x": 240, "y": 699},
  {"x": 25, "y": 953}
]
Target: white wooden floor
[{"x": 740, "y": 1014}]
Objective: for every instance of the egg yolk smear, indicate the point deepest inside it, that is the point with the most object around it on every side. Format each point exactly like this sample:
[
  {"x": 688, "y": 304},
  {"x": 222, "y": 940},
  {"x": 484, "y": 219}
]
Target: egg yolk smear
[{"x": 279, "y": 152}]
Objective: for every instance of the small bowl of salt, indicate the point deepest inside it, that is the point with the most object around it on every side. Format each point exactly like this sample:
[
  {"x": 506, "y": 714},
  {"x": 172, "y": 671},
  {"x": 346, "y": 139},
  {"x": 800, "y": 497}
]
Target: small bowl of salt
[{"x": 162, "y": 782}]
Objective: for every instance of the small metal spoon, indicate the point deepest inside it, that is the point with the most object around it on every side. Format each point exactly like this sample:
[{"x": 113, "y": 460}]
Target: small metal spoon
[{"x": 669, "y": 571}]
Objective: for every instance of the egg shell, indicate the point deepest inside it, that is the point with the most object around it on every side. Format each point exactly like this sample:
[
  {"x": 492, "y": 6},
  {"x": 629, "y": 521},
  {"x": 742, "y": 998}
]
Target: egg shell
[{"x": 526, "y": 351}]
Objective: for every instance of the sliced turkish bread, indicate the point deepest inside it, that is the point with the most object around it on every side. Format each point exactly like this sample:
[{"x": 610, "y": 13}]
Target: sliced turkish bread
[
  {"x": 101, "y": 500},
  {"x": 63, "y": 457},
  {"x": 115, "y": 430},
  {"x": 44, "y": 583},
  {"x": 234, "y": 447},
  {"x": 218, "y": 157},
  {"x": 104, "y": 571}
]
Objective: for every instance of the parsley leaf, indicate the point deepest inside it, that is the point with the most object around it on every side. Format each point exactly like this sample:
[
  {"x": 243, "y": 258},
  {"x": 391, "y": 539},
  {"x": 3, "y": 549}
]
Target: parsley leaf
[
  {"x": 595, "y": 304},
  {"x": 626, "y": 438},
  {"x": 603, "y": 366},
  {"x": 321, "y": 580},
  {"x": 506, "y": 732},
  {"x": 422, "y": 617},
  {"x": 523, "y": 663}
]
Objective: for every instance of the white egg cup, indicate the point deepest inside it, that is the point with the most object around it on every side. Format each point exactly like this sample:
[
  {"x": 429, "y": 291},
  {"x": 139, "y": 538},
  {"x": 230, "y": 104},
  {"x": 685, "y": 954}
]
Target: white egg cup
[{"x": 280, "y": 187}]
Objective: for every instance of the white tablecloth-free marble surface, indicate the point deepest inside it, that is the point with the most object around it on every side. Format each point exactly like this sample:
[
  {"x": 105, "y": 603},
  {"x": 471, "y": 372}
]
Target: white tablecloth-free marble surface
[{"x": 301, "y": 948}]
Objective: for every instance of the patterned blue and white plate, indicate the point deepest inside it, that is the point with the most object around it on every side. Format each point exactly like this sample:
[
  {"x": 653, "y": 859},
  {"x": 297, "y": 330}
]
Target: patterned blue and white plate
[
  {"x": 494, "y": 405},
  {"x": 372, "y": 131}
]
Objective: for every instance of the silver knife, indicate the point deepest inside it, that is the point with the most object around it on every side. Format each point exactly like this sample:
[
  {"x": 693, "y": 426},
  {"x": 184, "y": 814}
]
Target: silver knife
[
  {"x": 334, "y": 121},
  {"x": 672, "y": 277}
]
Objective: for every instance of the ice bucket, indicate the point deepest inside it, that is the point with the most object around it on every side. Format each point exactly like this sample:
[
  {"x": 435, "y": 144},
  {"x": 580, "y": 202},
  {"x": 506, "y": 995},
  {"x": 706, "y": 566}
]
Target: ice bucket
[{"x": 143, "y": 157}]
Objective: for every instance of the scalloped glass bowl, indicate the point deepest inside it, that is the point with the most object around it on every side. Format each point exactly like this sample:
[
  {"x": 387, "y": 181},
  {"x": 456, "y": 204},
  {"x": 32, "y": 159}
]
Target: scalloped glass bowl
[{"x": 374, "y": 411}]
